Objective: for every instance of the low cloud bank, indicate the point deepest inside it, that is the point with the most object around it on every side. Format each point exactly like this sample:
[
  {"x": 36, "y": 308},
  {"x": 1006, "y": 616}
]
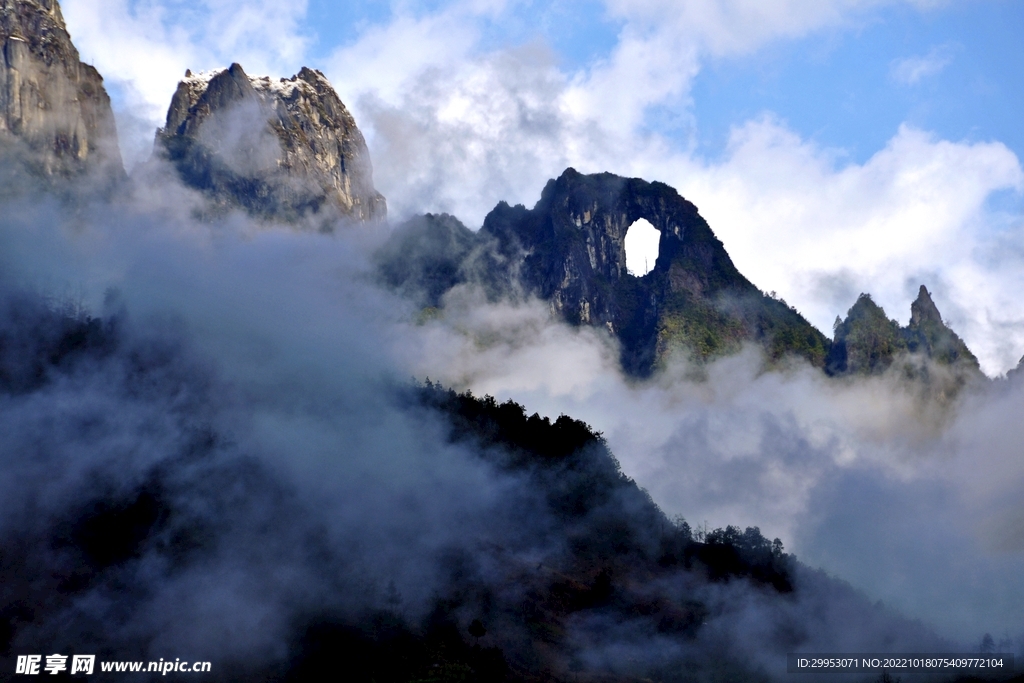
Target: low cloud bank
[
  {"x": 913, "y": 499},
  {"x": 232, "y": 399}
]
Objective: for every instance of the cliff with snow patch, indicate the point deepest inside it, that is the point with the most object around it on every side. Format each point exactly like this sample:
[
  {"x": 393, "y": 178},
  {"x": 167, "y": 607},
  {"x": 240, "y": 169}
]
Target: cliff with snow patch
[{"x": 282, "y": 149}]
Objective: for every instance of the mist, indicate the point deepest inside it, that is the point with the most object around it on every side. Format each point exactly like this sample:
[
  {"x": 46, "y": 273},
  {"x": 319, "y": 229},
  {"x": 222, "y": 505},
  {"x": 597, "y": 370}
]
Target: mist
[
  {"x": 240, "y": 377},
  {"x": 242, "y": 388},
  {"x": 913, "y": 499}
]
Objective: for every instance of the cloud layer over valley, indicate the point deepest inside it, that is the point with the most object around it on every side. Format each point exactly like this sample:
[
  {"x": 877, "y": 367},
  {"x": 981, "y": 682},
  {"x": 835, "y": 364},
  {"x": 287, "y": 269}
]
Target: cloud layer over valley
[
  {"x": 912, "y": 499},
  {"x": 240, "y": 401}
]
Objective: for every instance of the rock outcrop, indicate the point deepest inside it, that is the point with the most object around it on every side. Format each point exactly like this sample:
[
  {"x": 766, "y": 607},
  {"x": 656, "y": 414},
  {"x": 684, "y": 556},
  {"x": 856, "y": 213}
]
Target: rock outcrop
[
  {"x": 281, "y": 149},
  {"x": 867, "y": 342},
  {"x": 928, "y": 334},
  {"x": 55, "y": 114},
  {"x": 570, "y": 251}
]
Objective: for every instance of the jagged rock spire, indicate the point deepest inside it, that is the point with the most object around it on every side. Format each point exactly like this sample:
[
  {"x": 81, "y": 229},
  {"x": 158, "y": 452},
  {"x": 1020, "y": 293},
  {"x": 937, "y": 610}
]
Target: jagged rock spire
[
  {"x": 867, "y": 342},
  {"x": 281, "y": 149},
  {"x": 54, "y": 111},
  {"x": 923, "y": 309}
]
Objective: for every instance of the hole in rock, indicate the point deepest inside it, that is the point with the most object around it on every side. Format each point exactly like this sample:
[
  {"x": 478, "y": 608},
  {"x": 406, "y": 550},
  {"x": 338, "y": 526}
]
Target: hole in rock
[{"x": 641, "y": 247}]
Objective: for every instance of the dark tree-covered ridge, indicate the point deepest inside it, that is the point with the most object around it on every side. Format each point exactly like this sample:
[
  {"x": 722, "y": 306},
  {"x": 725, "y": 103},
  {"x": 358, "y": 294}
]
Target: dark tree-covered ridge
[{"x": 572, "y": 559}]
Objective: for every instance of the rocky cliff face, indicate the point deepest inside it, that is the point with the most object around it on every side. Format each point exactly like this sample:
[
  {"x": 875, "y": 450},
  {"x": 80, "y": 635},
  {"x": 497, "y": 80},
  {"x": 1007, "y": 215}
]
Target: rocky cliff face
[
  {"x": 694, "y": 300},
  {"x": 282, "y": 149},
  {"x": 867, "y": 342},
  {"x": 54, "y": 112},
  {"x": 570, "y": 250}
]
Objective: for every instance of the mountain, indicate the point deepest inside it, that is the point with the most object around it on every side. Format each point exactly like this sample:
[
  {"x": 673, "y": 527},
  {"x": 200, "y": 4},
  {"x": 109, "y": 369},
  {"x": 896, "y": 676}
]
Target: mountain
[
  {"x": 55, "y": 115},
  {"x": 568, "y": 571},
  {"x": 867, "y": 342},
  {"x": 281, "y": 149},
  {"x": 569, "y": 250},
  {"x": 157, "y": 502}
]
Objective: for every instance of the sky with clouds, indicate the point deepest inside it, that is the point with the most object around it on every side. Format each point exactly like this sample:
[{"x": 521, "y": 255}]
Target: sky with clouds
[{"x": 835, "y": 146}]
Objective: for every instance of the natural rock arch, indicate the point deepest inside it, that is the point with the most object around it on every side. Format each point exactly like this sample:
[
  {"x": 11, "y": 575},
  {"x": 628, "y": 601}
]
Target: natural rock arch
[{"x": 641, "y": 246}]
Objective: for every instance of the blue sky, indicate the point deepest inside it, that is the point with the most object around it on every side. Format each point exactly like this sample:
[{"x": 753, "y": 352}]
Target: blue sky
[
  {"x": 843, "y": 88},
  {"x": 835, "y": 146}
]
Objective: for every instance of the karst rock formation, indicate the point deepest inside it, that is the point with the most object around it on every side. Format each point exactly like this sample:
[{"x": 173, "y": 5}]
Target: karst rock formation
[
  {"x": 55, "y": 115},
  {"x": 280, "y": 148}
]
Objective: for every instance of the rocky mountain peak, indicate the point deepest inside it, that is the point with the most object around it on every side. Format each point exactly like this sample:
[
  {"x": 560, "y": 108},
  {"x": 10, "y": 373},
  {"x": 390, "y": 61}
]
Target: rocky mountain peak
[
  {"x": 280, "y": 148},
  {"x": 569, "y": 250},
  {"x": 868, "y": 342},
  {"x": 55, "y": 114},
  {"x": 923, "y": 309},
  {"x": 694, "y": 300}
]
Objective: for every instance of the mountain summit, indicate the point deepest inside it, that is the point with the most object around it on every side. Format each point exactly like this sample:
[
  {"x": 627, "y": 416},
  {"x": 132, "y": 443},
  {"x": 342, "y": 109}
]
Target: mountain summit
[
  {"x": 573, "y": 246},
  {"x": 923, "y": 311},
  {"x": 55, "y": 114},
  {"x": 868, "y": 342},
  {"x": 281, "y": 149},
  {"x": 570, "y": 251}
]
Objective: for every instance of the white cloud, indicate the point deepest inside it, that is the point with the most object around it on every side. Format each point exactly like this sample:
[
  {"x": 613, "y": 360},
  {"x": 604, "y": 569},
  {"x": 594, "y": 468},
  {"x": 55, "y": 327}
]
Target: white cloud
[
  {"x": 387, "y": 57},
  {"x": 455, "y": 125},
  {"x": 913, "y": 213},
  {"x": 462, "y": 139},
  {"x": 643, "y": 70},
  {"x": 910, "y": 70},
  {"x": 143, "y": 47},
  {"x": 728, "y": 27}
]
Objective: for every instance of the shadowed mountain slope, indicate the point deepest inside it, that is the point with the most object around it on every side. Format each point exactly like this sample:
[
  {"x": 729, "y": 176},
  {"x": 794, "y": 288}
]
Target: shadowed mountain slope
[{"x": 571, "y": 573}]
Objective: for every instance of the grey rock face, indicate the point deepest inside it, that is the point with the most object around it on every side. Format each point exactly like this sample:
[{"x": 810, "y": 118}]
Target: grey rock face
[
  {"x": 282, "y": 149},
  {"x": 54, "y": 110},
  {"x": 569, "y": 250},
  {"x": 572, "y": 246},
  {"x": 923, "y": 310}
]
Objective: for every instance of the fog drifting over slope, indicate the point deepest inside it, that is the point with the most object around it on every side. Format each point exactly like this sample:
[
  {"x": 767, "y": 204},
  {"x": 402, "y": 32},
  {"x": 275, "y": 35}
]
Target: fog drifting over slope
[
  {"x": 253, "y": 387},
  {"x": 248, "y": 386},
  {"x": 917, "y": 503}
]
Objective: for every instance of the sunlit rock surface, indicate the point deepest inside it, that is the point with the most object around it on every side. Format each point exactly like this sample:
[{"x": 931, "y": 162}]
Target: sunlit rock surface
[
  {"x": 55, "y": 114},
  {"x": 280, "y": 148}
]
